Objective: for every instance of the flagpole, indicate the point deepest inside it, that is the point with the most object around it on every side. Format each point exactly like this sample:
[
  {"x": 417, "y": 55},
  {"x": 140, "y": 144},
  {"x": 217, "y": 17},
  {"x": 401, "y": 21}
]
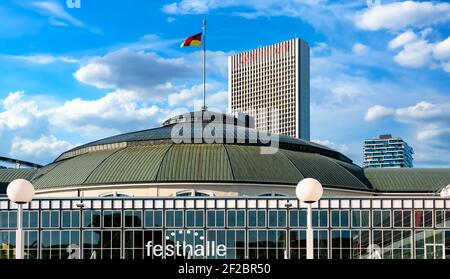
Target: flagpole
[{"x": 204, "y": 65}]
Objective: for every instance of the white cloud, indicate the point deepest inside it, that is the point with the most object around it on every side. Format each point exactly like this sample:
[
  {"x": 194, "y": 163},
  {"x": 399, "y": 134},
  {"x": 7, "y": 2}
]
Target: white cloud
[
  {"x": 418, "y": 52},
  {"x": 41, "y": 59},
  {"x": 128, "y": 70},
  {"x": 260, "y": 8},
  {"x": 171, "y": 19},
  {"x": 148, "y": 73},
  {"x": 415, "y": 54},
  {"x": 377, "y": 112},
  {"x": 424, "y": 111},
  {"x": 117, "y": 111},
  {"x": 19, "y": 113},
  {"x": 400, "y": 15},
  {"x": 359, "y": 48},
  {"x": 427, "y": 130},
  {"x": 403, "y": 39},
  {"x": 44, "y": 146},
  {"x": 442, "y": 50},
  {"x": 25, "y": 117},
  {"x": 431, "y": 121},
  {"x": 192, "y": 98},
  {"x": 191, "y": 7}
]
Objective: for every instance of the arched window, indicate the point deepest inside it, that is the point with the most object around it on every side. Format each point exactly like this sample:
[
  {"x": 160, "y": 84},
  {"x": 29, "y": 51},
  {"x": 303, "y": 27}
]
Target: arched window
[
  {"x": 115, "y": 195},
  {"x": 192, "y": 193},
  {"x": 271, "y": 194}
]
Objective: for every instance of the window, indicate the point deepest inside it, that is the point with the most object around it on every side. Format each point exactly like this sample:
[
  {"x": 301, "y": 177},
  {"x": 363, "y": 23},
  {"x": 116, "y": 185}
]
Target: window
[
  {"x": 174, "y": 218},
  {"x": 341, "y": 244},
  {"x": 402, "y": 218},
  {"x": 277, "y": 218},
  {"x": 30, "y": 219},
  {"x": 267, "y": 244},
  {"x": 31, "y": 244},
  {"x": 55, "y": 243},
  {"x": 133, "y": 244},
  {"x": 236, "y": 218},
  {"x": 112, "y": 218},
  {"x": 192, "y": 193},
  {"x": 429, "y": 244},
  {"x": 319, "y": 218},
  {"x": 381, "y": 218},
  {"x": 256, "y": 218},
  {"x": 116, "y": 195},
  {"x": 271, "y": 194},
  {"x": 216, "y": 218},
  {"x": 392, "y": 244},
  {"x": 360, "y": 218},
  {"x": 298, "y": 244},
  {"x": 423, "y": 218},
  {"x": 8, "y": 219},
  {"x": 298, "y": 218},
  {"x": 91, "y": 218},
  {"x": 70, "y": 219},
  {"x": 50, "y": 219},
  {"x": 8, "y": 241},
  {"x": 133, "y": 218},
  {"x": 360, "y": 244},
  {"x": 442, "y": 218},
  {"x": 195, "y": 218},
  {"x": 234, "y": 240},
  {"x": 339, "y": 218},
  {"x": 153, "y": 219},
  {"x": 104, "y": 244}
]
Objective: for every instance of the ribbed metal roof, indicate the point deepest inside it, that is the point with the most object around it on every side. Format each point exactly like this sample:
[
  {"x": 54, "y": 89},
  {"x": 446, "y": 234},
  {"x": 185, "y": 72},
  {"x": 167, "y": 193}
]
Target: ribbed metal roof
[
  {"x": 195, "y": 162},
  {"x": 8, "y": 175},
  {"x": 408, "y": 180},
  {"x": 222, "y": 134},
  {"x": 222, "y": 163},
  {"x": 249, "y": 165},
  {"x": 216, "y": 163}
]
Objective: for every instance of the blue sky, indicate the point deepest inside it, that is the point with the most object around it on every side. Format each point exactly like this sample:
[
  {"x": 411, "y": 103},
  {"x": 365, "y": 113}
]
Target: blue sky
[{"x": 72, "y": 75}]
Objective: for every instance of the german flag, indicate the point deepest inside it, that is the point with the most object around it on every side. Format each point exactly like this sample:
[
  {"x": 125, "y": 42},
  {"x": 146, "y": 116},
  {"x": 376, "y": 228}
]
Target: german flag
[{"x": 195, "y": 40}]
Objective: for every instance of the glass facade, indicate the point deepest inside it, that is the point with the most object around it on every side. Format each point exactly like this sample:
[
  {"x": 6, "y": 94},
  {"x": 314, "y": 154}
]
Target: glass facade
[{"x": 253, "y": 228}]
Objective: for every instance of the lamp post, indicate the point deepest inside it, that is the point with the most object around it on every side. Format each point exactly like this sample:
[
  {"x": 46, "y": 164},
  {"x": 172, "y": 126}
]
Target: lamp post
[
  {"x": 309, "y": 191},
  {"x": 20, "y": 192}
]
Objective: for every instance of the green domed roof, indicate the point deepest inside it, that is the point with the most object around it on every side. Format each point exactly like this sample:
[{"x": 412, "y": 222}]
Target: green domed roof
[
  {"x": 227, "y": 153},
  {"x": 216, "y": 163}
]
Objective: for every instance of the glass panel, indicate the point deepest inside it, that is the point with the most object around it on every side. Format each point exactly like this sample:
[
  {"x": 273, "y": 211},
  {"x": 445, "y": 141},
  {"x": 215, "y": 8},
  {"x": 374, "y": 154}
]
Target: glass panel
[
  {"x": 231, "y": 219},
  {"x": 344, "y": 218},
  {"x": 158, "y": 219},
  {"x": 240, "y": 218},
  {"x": 376, "y": 218},
  {"x": 220, "y": 218},
  {"x": 199, "y": 216},
  {"x": 335, "y": 218}
]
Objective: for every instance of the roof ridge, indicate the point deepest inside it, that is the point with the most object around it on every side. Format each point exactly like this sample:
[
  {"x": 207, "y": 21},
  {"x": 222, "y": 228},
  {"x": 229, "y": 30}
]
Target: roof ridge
[
  {"x": 162, "y": 161},
  {"x": 229, "y": 161},
  {"x": 346, "y": 170},
  {"x": 102, "y": 161}
]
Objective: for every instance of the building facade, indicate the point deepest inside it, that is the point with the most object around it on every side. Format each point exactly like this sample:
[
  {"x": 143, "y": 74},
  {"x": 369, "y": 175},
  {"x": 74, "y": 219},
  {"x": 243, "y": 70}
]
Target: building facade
[
  {"x": 387, "y": 152},
  {"x": 272, "y": 84},
  {"x": 249, "y": 227},
  {"x": 122, "y": 196}
]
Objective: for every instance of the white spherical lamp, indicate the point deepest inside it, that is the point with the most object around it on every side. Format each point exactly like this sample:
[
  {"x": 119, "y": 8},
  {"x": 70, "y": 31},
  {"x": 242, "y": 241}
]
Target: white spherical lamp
[
  {"x": 309, "y": 190},
  {"x": 20, "y": 191}
]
